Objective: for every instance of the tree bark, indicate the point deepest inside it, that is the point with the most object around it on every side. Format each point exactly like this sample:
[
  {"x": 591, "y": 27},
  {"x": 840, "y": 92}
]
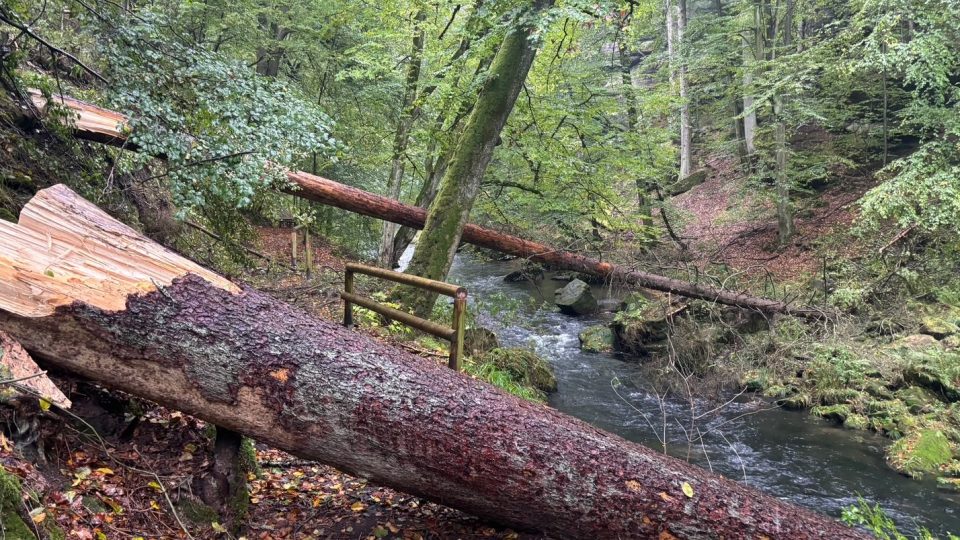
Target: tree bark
[
  {"x": 450, "y": 209},
  {"x": 785, "y": 224},
  {"x": 686, "y": 128},
  {"x": 252, "y": 364},
  {"x": 401, "y": 138}
]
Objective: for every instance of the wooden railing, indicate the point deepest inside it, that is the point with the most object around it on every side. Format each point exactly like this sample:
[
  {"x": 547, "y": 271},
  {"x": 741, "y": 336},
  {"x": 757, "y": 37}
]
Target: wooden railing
[{"x": 453, "y": 334}]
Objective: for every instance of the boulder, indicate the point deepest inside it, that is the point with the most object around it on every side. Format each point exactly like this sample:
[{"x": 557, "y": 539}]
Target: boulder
[
  {"x": 643, "y": 331},
  {"x": 596, "y": 339},
  {"x": 525, "y": 366},
  {"x": 576, "y": 298},
  {"x": 921, "y": 452},
  {"x": 938, "y": 327},
  {"x": 939, "y": 373},
  {"x": 915, "y": 342},
  {"x": 529, "y": 272},
  {"x": 479, "y": 340},
  {"x": 686, "y": 184}
]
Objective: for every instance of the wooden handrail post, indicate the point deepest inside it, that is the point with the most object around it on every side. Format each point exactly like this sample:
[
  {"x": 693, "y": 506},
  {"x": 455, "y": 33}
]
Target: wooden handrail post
[
  {"x": 452, "y": 334},
  {"x": 459, "y": 324},
  {"x": 347, "y": 305}
]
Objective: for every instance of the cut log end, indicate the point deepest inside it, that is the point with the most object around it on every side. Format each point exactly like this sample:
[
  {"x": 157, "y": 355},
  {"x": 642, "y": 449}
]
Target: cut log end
[
  {"x": 65, "y": 250},
  {"x": 24, "y": 373}
]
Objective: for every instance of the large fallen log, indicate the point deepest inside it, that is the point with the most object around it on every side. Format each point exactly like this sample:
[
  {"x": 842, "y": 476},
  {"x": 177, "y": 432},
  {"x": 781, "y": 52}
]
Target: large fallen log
[
  {"x": 94, "y": 123},
  {"x": 90, "y": 295}
]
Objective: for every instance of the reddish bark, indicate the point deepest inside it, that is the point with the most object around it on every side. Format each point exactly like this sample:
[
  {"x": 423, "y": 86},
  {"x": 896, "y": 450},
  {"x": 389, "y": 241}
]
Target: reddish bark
[{"x": 362, "y": 202}]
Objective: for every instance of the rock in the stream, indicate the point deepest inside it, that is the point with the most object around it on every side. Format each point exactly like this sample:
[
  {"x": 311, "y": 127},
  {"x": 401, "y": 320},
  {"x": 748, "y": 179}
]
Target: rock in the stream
[
  {"x": 479, "y": 340},
  {"x": 596, "y": 339},
  {"x": 576, "y": 298},
  {"x": 529, "y": 272},
  {"x": 524, "y": 366}
]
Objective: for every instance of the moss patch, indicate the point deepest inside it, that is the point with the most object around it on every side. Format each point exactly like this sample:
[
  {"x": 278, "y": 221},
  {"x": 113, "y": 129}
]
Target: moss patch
[
  {"x": 525, "y": 366},
  {"x": 11, "y": 526},
  {"x": 922, "y": 452},
  {"x": 596, "y": 339}
]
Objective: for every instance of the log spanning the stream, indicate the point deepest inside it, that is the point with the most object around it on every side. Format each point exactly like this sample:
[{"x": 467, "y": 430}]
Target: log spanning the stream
[
  {"x": 88, "y": 294},
  {"x": 94, "y": 123}
]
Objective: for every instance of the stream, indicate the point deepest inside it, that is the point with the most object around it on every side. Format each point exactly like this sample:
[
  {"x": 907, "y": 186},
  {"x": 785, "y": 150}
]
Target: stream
[{"x": 791, "y": 455}]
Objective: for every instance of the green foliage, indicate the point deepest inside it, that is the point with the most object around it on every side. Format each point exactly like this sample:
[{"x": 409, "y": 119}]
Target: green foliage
[
  {"x": 874, "y": 519},
  {"x": 503, "y": 379},
  {"x": 226, "y": 133}
]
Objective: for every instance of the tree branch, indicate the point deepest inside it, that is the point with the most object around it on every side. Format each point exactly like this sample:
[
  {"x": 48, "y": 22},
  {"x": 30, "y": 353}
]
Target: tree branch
[{"x": 26, "y": 30}]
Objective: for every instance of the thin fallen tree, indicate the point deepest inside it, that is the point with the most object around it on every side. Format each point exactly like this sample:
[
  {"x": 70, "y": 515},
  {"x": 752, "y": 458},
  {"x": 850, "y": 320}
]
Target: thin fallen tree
[
  {"x": 95, "y": 123},
  {"x": 87, "y": 294}
]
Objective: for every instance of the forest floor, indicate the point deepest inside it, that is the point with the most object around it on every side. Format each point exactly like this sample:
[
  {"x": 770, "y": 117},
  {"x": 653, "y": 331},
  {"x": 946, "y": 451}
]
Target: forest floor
[{"x": 726, "y": 222}]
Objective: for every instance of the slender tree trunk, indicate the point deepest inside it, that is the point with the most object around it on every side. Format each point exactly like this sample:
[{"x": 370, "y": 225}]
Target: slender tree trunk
[
  {"x": 408, "y": 115},
  {"x": 686, "y": 128},
  {"x": 752, "y": 51},
  {"x": 785, "y": 224},
  {"x": 451, "y": 208},
  {"x": 628, "y": 90}
]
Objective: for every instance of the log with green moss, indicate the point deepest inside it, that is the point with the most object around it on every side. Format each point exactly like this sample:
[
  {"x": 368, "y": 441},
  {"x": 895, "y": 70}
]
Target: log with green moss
[{"x": 89, "y": 295}]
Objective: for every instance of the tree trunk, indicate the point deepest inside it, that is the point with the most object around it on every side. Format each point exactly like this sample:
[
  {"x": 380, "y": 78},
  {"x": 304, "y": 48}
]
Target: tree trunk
[
  {"x": 686, "y": 128},
  {"x": 451, "y": 208},
  {"x": 408, "y": 115},
  {"x": 751, "y": 53},
  {"x": 626, "y": 84},
  {"x": 785, "y": 224},
  {"x": 328, "y": 192},
  {"x": 89, "y": 295}
]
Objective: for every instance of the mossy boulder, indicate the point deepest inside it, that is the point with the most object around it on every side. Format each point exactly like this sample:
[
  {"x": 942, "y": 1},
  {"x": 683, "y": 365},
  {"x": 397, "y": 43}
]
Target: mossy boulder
[
  {"x": 938, "y": 327},
  {"x": 856, "y": 421},
  {"x": 756, "y": 380},
  {"x": 795, "y": 402},
  {"x": 575, "y": 298},
  {"x": 921, "y": 452},
  {"x": 837, "y": 413},
  {"x": 939, "y": 373},
  {"x": 529, "y": 272},
  {"x": 527, "y": 367},
  {"x": 479, "y": 340},
  {"x": 596, "y": 339},
  {"x": 686, "y": 184},
  {"x": 918, "y": 400},
  {"x": 643, "y": 331}
]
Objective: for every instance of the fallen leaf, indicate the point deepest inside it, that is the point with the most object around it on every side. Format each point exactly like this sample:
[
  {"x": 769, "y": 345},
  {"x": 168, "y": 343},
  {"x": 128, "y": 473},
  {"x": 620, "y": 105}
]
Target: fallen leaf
[
  {"x": 358, "y": 506},
  {"x": 38, "y": 515},
  {"x": 687, "y": 489}
]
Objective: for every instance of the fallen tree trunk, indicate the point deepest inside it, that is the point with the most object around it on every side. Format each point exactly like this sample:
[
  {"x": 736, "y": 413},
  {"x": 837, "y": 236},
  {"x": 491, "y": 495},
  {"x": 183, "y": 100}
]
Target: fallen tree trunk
[
  {"x": 89, "y": 295},
  {"x": 90, "y": 125}
]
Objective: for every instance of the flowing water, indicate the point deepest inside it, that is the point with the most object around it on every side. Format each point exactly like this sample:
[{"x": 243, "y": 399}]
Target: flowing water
[{"x": 790, "y": 455}]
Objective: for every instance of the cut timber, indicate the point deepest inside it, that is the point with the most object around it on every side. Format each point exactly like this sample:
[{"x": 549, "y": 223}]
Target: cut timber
[
  {"x": 332, "y": 193},
  {"x": 24, "y": 372},
  {"x": 96, "y": 123},
  {"x": 185, "y": 338}
]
